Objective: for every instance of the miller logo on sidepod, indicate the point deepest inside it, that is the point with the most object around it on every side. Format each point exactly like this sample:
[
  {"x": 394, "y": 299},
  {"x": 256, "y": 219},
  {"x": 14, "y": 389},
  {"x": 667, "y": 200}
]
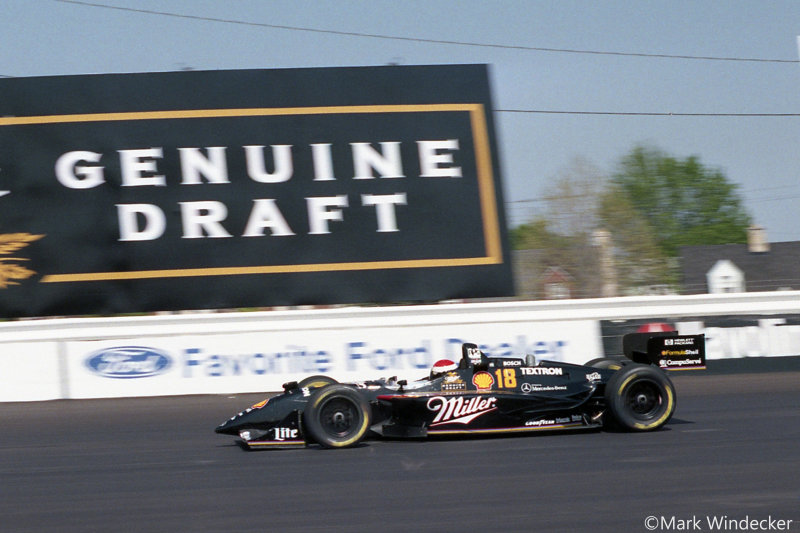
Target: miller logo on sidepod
[{"x": 128, "y": 362}]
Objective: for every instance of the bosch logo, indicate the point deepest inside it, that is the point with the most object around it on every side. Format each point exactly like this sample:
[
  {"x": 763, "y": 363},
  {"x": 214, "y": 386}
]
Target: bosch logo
[{"x": 126, "y": 362}]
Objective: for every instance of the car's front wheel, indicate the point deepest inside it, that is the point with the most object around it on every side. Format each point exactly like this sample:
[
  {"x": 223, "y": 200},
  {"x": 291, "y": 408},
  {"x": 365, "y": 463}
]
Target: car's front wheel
[
  {"x": 640, "y": 397},
  {"x": 337, "y": 416}
]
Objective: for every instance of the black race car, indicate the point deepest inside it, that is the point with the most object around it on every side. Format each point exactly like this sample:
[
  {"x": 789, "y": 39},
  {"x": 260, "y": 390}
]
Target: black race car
[{"x": 478, "y": 395}]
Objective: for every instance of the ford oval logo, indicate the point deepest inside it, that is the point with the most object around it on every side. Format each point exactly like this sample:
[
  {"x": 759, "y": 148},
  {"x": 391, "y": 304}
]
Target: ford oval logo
[{"x": 128, "y": 362}]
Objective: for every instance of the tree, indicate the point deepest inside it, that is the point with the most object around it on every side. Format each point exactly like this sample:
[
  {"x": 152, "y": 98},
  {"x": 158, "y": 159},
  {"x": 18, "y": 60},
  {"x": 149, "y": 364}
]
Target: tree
[
  {"x": 579, "y": 202},
  {"x": 540, "y": 248},
  {"x": 684, "y": 201},
  {"x": 639, "y": 262},
  {"x": 571, "y": 199},
  {"x": 562, "y": 230},
  {"x": 535, "y": 234}
]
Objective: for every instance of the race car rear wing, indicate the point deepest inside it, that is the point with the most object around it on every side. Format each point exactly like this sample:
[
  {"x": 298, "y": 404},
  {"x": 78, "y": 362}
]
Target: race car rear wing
[{"x": 666, "y": 350}]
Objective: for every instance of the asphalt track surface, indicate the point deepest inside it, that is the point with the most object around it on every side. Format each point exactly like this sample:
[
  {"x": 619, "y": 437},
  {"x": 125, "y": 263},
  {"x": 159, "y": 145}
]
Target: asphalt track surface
[{"x": 154, "y": 465}]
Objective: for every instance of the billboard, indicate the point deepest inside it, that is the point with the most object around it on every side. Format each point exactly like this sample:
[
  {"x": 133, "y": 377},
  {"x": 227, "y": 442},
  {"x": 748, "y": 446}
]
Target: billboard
[
  {"x": 262, "y": 361},
  {"x": 230, "y": 189}
]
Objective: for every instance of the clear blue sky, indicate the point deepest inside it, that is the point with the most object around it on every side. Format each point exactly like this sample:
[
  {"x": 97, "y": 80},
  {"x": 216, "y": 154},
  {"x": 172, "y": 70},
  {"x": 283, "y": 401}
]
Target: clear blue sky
[{"x": 51, "y": 37}]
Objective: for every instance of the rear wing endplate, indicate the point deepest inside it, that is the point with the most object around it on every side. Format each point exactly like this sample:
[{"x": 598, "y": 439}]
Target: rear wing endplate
[{"x": 666, "y": 350}]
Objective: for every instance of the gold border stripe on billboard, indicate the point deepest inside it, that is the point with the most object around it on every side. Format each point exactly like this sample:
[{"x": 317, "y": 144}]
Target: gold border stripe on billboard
[
  {"x": 267, "y": 269},
  {"x": 230, "y": 113},
  {"x": 483, "y": 160}
]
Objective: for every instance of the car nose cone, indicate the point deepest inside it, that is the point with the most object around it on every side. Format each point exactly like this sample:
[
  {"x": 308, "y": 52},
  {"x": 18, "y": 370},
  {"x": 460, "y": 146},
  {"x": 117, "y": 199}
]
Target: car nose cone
[{"x": 229, "y": 427}]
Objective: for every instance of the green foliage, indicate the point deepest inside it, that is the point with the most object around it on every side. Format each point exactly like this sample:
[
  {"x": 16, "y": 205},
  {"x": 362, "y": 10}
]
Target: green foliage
[
  {"x": 654, "y": 204},
  {"x": 638, "y": 258},
  {"x": 537, "y": 235},
  {"x": 570, "y": 253},
  {"x": 683, "y": 201}
]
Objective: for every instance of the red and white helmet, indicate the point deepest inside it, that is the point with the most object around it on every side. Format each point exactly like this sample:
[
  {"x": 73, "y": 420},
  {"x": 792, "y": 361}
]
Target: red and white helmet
[{"x": 442, "y": 366}]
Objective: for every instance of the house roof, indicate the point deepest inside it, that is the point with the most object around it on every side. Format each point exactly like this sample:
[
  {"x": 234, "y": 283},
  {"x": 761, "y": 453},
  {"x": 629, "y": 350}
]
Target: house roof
[
  {"x": 778, "y": 268},
  {"x": 556, "y": 275}
]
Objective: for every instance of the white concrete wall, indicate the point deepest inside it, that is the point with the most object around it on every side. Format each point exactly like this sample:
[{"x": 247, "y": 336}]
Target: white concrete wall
[{"x": 199, "y": 353}]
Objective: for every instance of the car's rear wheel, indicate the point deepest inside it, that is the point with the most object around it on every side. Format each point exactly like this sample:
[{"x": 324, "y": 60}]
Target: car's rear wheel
[
  {"x": 640, "y": 397},
  {"x": 337, "y": 416},
  {"x": 315, "y": 382}
]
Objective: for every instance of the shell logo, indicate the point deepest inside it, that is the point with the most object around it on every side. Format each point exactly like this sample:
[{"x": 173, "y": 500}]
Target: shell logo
[{"x": 483, "y": 380}]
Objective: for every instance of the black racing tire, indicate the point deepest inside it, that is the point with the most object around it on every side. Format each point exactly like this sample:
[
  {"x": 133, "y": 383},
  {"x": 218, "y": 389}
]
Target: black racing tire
[
  {"x": 337, "y": 416},
  {"x": 315, "y": 382},
  {"x": 640, "y": 397},
  {"x": 607, "y": 363}
]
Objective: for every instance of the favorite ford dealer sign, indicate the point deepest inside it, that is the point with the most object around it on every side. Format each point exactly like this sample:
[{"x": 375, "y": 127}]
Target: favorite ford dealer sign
[{"x": 188, "y": 190}]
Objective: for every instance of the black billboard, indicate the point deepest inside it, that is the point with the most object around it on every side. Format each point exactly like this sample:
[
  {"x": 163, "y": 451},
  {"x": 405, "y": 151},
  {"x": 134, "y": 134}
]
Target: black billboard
[{"x": 230, "y": 189}]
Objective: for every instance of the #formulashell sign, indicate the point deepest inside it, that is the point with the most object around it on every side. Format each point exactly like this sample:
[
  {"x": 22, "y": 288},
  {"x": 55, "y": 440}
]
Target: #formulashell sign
[{"x": 142, "y": 192}]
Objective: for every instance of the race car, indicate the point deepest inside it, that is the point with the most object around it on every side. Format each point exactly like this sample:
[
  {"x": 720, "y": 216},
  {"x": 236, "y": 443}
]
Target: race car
[{"x": 478, "y": 395}]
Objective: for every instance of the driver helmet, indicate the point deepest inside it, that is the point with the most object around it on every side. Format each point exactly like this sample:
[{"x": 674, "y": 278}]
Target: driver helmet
[{"x": 441, "y": 367}]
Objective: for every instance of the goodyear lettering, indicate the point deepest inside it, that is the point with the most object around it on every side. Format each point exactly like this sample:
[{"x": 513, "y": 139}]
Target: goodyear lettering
[{"x": 540, "y": 423}]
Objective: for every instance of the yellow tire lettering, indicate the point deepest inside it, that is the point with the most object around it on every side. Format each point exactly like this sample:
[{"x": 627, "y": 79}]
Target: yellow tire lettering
[
  {"x": 360, "y": 433},
  {"x": 354, "y": 438},
  {"x": 625, "y": 383},
  {"x": 667, "y": 412},
  {"x": 663, "y": 417}
]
